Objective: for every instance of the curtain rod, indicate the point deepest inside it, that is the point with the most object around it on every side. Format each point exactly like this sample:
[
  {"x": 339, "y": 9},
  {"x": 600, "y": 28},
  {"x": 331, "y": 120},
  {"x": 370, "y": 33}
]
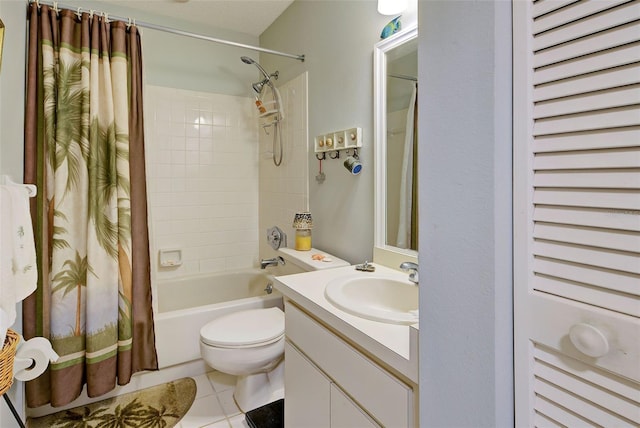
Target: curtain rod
[
  {"x": 403, "y": 76},
  {"x": 56, "y": 6}
]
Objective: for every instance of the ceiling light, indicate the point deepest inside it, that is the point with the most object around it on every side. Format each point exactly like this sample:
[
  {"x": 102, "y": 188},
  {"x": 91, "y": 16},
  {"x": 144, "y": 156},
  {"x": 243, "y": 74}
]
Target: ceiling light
[{"x": 391, "y": 7}]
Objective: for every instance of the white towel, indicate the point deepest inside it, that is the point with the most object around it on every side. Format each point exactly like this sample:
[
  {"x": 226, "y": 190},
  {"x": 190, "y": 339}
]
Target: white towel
[
  {"x": 18, "y": 268},
  {"x": 7, "y": 283},
  {"x": 5, "y": 321},
  {"x": 25, "y": 268}
]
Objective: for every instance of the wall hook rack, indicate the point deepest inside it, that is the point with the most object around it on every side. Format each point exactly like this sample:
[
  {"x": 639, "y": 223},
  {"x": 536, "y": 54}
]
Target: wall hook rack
[
  {"x": 346, "y": 139},
  {"x": 333, "y": 143}
]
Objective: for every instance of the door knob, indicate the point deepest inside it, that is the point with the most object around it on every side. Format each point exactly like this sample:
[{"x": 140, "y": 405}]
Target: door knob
[{"x": 589, "y": 340}]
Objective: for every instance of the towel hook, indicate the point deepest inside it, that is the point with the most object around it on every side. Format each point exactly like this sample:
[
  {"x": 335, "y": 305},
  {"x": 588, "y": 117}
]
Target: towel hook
[{"x": 32, "y": 190}]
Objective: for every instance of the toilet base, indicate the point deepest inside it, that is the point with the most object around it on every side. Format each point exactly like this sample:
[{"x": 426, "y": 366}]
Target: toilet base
[{"x": 256, "y": 390}]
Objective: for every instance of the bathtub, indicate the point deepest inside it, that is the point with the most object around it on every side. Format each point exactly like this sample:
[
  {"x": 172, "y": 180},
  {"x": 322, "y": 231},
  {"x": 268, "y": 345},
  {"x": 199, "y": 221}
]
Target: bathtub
[{"x": 184, "y": 305}]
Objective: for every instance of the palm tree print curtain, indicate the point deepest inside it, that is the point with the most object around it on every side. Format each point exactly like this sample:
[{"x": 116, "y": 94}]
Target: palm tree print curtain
[{"x": 84, "y": 149}]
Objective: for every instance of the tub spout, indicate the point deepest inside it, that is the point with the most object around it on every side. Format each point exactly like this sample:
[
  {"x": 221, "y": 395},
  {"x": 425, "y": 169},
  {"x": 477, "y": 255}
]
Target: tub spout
[{"x": 264, "y": 263}]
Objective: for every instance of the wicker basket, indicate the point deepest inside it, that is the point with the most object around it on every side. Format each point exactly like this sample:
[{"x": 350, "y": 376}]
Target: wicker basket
[{"x": 7, "y": 355}]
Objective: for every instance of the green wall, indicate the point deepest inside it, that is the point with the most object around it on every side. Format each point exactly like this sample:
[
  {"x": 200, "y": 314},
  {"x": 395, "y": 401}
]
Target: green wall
[{"x": 338, "y": 45}]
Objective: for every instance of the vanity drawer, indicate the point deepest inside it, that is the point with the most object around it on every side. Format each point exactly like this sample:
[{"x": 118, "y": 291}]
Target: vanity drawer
[{"x": 385, "y": 397}]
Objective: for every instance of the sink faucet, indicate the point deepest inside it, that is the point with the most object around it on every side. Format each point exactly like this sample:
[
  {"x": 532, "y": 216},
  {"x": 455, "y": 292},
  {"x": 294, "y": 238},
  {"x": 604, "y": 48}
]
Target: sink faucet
[
  {"x": 412, "y": 268},
  {"x": 271, "y": 262},
  {"x": 366, "y": 267}
]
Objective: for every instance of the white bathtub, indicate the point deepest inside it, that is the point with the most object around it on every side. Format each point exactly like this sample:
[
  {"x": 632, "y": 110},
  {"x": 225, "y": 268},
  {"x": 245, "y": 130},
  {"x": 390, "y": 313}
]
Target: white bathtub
[{"x": 186, "y": 304}]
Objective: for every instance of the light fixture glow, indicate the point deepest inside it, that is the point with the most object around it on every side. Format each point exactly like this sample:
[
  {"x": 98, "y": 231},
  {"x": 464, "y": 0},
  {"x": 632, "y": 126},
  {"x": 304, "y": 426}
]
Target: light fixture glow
[{"x": 391, "y": 7}]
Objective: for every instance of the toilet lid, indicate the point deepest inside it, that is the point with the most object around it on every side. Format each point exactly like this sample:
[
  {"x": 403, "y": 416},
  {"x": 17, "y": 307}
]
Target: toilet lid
[{"x": 244, "y": 328}]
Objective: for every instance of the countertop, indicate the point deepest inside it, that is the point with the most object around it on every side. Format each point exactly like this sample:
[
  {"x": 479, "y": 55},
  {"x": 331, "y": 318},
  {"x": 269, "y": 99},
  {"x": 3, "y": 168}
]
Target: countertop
[{"x": 394, "y": 346}]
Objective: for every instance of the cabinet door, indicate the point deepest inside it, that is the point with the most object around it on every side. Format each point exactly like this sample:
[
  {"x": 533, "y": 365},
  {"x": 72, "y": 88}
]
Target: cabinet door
[
  {"x": 577, "y": 212},
  {"x": 347, "y": 414},
  {"x": 385, "y": 397},
  {"x": 307, "y": 392}
]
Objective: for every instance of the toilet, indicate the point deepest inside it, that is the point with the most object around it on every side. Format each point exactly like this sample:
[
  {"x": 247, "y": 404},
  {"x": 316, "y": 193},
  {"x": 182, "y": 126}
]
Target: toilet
[{"x": 249, "y": 344}]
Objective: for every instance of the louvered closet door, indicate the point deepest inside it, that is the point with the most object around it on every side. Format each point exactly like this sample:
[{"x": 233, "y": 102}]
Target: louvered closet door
[{"x": 577, "y": 212}]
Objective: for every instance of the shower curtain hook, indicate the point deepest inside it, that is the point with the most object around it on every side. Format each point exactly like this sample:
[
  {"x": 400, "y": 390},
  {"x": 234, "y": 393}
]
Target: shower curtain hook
[
  {"x": 79, "y": 13},
  {"x": 37, "y": 3},
  {"x": 105, "y": 16},
  {"x": 55, "y": 8},
  {"x": 90, "y": 14},
  {"x": 129, "y": 23}
]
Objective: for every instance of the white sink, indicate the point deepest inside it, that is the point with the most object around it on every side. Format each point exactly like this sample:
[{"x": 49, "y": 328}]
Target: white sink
[{"x": 378, "y": 297}]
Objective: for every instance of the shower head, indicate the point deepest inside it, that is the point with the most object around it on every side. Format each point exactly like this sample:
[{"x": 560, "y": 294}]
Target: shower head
[
  {"x": 267, "y": 78},
  {"x": 248, "y": 60},
  {"x": 259, "y": 85}
]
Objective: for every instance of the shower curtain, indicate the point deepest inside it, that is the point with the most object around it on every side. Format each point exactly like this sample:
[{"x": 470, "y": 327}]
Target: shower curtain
[
  {"x": 408, "y": 217},
  {"x": 84, "y": 149}
]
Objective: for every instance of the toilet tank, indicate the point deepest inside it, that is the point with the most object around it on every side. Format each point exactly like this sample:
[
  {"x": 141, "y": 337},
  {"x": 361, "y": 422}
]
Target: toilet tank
[{"x": 306, "y": 261}]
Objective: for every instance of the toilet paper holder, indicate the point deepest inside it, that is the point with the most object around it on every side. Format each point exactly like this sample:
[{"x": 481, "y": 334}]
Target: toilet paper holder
[
  {"x": 32, "y": 358},
  {"x": 26, "y": 359}
]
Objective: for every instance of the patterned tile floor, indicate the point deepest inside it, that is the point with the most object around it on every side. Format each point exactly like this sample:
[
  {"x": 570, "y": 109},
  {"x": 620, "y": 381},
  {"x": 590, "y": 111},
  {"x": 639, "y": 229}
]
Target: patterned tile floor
[{"x": 214, "y": 406}]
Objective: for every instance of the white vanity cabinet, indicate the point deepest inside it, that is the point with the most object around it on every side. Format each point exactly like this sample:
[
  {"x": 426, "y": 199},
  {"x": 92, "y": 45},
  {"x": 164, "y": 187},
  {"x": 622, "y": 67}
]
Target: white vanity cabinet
[
  {"x": 329, "y": 383},
  {"x": 314, "y": 401}
]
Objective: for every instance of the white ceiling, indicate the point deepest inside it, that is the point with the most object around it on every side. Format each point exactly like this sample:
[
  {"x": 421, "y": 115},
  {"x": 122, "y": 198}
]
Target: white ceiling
[{"x": 245, "y": 16}]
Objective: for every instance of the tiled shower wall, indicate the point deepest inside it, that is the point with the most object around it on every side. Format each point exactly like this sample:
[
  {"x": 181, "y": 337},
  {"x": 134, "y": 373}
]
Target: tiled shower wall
[
  {"x": 284, "y": 190},
  {"x": 202, "y": 168}
]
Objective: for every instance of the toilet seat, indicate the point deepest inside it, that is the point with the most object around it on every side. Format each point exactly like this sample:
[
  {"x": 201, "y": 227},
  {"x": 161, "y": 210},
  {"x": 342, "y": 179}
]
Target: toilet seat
[{"x": 244, "y": 329}]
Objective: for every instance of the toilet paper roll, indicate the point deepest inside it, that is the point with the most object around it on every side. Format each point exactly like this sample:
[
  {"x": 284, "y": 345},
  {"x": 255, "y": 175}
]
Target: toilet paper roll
[{"x": 36, "y": 352}]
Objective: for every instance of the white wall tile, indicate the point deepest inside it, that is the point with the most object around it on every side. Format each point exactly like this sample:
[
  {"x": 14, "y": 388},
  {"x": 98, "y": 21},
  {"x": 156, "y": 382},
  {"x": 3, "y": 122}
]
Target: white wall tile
[
  {"x": 203, "y": 189},
  {"x": 211, "y": 173},
  {"x": 284, "y": 190}
]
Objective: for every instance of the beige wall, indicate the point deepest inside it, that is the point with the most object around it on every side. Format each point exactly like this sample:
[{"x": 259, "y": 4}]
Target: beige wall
[
  {"x": 338, "y": 44},
  {"x": 466, "y": 377}
]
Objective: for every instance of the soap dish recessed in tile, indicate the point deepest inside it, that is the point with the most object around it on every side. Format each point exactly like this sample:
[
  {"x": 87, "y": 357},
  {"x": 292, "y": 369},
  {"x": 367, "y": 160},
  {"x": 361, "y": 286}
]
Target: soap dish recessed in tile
[{"x": 170, "y": 257}]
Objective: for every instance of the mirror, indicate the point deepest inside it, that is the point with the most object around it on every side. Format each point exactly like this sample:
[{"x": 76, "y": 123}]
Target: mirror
[{"x": 395, "y": 115}]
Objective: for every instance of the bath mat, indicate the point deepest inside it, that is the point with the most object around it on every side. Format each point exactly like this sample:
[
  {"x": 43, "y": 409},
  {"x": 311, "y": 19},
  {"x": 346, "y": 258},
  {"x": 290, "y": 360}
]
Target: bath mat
[
  {"x": 160, "y": 406},
  {"x": 268, "y": 416}
]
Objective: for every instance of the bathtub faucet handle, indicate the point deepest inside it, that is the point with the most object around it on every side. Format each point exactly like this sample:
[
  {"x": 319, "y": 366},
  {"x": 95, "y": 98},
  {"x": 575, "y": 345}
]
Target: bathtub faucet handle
[
  {"x": 269, "y": 288},
  {"x": 264, "y": 263}
]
